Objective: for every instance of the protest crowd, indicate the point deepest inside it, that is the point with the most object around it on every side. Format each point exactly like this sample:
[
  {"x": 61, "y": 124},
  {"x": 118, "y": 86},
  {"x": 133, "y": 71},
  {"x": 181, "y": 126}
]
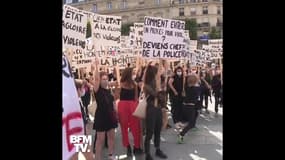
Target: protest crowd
[{"x": 136, "y": 89}]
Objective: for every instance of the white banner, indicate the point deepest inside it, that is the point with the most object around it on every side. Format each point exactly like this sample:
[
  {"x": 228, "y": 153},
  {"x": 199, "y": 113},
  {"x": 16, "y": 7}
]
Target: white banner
[
  {"x": 74, "y": 25},
  {"x": 163, "y": 38},
  {"x": 72, "y": 122}
]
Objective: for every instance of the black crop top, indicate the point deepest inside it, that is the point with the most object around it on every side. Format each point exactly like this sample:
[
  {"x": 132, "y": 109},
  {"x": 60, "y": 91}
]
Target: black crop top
[{"x": 127, "y": 94}]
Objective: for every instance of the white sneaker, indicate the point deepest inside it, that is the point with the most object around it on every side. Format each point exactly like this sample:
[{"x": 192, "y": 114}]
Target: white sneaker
[
  {"x": 181, "y": 124},
  {"x": 178, "y": 125},
  {"x": 162, "y": 139},
  {"x": 184, "y": 124}
]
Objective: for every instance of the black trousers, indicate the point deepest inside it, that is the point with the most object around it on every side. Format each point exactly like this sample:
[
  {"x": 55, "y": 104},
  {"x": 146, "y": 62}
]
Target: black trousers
[
  {"x": 191, "y": 113},
  {"x": 153, "y": 124},
  {"x": 205, "y": 97},
  {"x": 176, "y": 108},
  {"x": 217, "y": 100}
]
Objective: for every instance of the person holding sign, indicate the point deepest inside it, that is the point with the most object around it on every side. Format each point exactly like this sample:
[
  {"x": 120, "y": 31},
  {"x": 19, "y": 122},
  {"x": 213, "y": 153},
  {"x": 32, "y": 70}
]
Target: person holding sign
[
  {"x": 190, "y": 104},
  {"x": 205, "y": 89},
  {"x": 217, "y": 86},
  {"x": 126, "y": 106},
  {"x": 176, "y": 87},
  {"x": 153, "y": 119},
  {"x": 105, "y": 115}
]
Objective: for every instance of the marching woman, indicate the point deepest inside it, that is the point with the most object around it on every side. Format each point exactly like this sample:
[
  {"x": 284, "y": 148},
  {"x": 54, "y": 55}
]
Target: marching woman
[
  {"x": 105, "y": 115},
  {"x": 126, "y": 106},
  {"x": 190, "y": 104},
  {"x": 176, "y": 87},
  {"x": 153, "y": 119}
]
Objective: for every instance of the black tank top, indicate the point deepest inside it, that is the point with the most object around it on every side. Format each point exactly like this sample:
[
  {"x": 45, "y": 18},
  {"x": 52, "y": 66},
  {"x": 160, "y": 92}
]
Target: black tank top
[
  {"x": 127, "y": 94},
  {"x": 177, "y": 84}
]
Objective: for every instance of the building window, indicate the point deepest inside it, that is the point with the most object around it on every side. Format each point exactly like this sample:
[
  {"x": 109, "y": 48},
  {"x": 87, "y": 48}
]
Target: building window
[
  {"x": 204, "y": 0},
  {"x": 181, "y": 11},
  {"x": 219, "y": 22},
  {"x": 157, "y": 2},
  {"x": 219, "y": 10},
  {"x": 193, "y": 1},
  {"x": 124, "y": 4},
  {"x": 181, "y": 1},
  {"x": 94, "y": 9},
  {"x": 205, "y": 10},
  {"x": 109, "y": 5},
  {"x": 74, "y": 1},
  {"x": 205, "y": 22},
  {"x": 192, "y": 11}
]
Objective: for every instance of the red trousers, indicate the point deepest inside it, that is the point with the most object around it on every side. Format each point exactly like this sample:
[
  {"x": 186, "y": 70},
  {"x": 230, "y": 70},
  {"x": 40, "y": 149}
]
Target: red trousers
[{"x": 127, "y": 120}]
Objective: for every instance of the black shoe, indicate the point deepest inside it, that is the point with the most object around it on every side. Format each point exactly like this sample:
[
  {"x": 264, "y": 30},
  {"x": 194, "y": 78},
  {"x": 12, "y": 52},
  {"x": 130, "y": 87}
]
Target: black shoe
[
  {"x": 129, "y": 151},
  {"x": 138, "y": 151},
  {"x": 148, "y": 157},
  {"x": 160, "y": 154}
]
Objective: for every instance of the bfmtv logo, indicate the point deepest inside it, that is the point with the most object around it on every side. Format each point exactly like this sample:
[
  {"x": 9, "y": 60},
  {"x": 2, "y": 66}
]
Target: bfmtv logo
[{"x": 81, "y": 142}]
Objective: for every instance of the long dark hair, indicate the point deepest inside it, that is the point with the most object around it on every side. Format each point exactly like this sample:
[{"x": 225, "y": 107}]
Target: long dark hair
[
  {"x": 149, "y": 78},
  {"x": 127, "y": 76}
]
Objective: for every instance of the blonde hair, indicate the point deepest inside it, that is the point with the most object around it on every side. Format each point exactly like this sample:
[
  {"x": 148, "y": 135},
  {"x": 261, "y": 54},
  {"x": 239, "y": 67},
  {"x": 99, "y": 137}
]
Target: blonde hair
[{"x": 78, "y": 83}]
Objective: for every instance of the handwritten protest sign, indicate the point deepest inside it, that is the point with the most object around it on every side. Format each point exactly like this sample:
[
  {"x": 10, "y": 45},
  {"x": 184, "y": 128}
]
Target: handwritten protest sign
[
  {"x": 138, "y": 28},
  {"x": 132, "y": 37},
  {"x": 74, "y": 32},
  {"x": 120, "y": 60},
  {"x": 163, "y": 38},
  {"x": 216, "y": 48},
  {"x": 193, "y": 45},
  {"x": 106, "y": 31},
  {"x": 72, "y": 123}
]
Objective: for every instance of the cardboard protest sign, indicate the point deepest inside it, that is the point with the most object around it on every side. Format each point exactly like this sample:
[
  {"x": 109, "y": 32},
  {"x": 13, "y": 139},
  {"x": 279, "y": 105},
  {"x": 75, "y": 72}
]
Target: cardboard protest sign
[
  {"x": 125, "y": 42},
  {"x": 120, "y": 60},
  {"x": 138, "y": 29},
  {"x": 163, "y": 38},
  {"x": 193, "y": 45},
  {"x": 106, "y": 31},
  {"x": 72, "y": 122},
  {"x": 216, "y": 48},
  {"x": 187, "y": 46},
  {"x": 74, "y": 33}
]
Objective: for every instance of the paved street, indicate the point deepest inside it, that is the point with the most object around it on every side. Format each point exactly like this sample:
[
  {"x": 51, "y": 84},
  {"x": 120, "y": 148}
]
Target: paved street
[{"x": 204, "y": 144}]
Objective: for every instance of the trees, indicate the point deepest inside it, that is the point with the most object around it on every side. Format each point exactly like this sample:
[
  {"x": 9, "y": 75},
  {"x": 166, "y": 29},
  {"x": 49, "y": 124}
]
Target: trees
[
  {"x": 88, "y": 30},
  {"x": 191, "y": 25},
  {"x": 215, "y": 34},
  {"x": 125, "y": 29}
]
